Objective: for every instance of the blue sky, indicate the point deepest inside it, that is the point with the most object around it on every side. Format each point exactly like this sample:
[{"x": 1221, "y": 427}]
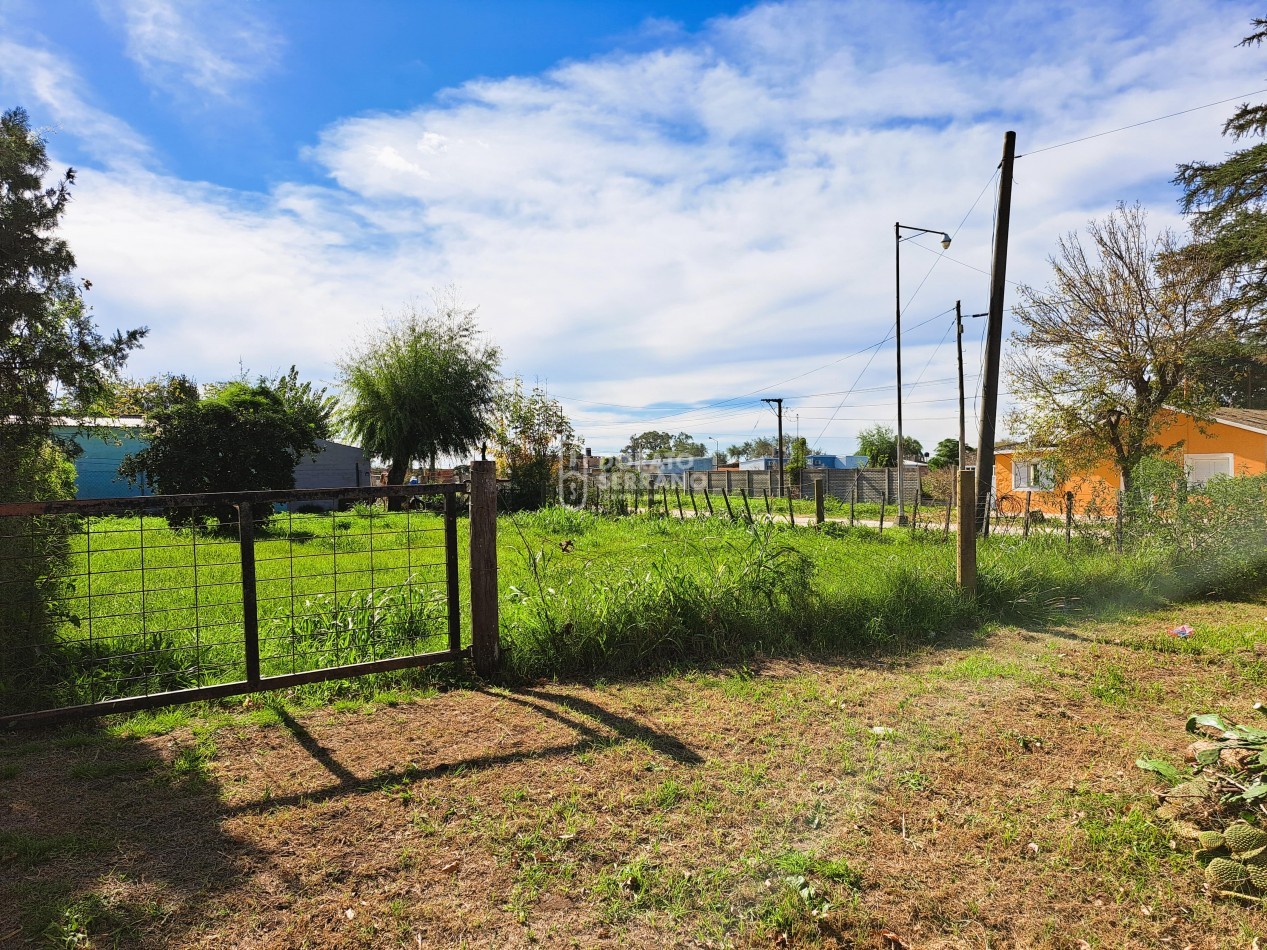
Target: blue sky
[{"x": 665, "y": 211}]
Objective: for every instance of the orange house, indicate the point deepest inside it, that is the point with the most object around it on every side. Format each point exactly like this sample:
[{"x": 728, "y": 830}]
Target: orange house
[{"x": 1233, "y": 442}]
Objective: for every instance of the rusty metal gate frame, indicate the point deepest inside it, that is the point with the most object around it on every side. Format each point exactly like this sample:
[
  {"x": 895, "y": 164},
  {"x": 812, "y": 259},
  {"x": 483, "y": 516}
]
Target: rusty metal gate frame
[{"x": 254, "y": 682}]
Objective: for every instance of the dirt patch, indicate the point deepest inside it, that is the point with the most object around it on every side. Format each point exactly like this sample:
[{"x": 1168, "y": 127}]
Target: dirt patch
[{"x": 971, "y": 795}]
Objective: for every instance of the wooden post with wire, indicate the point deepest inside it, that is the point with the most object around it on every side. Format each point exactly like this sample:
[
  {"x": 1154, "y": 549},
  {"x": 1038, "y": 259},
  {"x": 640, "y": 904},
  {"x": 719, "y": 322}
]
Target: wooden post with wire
[
  {"x": 485, "y": 641},
  {"x": 819, "y": 514},
  {"x": 1029, "y": 500},
  {"x": 966, "y": 535},
  {"x": 743, "y": 493}
]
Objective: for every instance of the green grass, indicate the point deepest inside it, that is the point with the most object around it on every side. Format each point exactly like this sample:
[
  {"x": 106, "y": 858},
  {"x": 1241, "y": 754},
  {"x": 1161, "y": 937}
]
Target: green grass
[{"x": 580, "y": 595}]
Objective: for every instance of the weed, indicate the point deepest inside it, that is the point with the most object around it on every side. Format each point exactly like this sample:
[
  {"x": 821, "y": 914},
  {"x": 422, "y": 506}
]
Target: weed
[
  {"x": 108, "y": 768},
  {"x": 192, "y": 762},
  {"x": 29, "y": 850}
]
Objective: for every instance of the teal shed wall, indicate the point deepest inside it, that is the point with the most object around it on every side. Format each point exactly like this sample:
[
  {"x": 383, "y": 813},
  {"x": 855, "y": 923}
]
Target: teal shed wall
[{"x": 97, "y": 465}]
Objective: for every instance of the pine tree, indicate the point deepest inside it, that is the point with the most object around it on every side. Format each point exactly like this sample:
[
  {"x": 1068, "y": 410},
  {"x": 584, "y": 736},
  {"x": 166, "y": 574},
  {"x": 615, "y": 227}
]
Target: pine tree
[
  {"x": 52, "y": 359},
  {"x": 1227, "y": 203}
]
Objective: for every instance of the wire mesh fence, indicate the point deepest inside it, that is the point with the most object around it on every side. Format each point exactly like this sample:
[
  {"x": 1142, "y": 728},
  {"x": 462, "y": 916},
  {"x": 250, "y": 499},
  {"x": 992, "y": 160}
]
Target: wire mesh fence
[{"x": 126, "y": 603}]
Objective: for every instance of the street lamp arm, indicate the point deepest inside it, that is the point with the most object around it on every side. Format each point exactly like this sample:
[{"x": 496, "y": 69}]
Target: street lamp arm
[{"x": 898, "y": 228}]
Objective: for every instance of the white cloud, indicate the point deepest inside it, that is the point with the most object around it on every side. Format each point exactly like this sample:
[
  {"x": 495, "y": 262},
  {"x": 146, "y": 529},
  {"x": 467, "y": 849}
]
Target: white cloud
[
  {"x": 34, "y": 75},
  {"x": 688, "y": 223},
  {"x": 214, "y": 48}
]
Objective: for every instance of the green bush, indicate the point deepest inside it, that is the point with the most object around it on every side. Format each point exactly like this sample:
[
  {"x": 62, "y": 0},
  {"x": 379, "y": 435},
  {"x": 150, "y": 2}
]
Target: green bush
[{"x": 34, "y": 556}]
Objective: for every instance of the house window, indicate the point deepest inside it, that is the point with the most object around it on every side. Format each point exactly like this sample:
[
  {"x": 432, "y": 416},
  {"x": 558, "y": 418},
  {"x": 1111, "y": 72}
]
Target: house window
[
  {"x": 1201, "y": 468},
  {"x": 1033, "y": 475}
]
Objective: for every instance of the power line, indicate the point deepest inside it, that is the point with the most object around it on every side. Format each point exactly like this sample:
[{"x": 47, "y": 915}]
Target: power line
[{"x": 1136, "y": 125}]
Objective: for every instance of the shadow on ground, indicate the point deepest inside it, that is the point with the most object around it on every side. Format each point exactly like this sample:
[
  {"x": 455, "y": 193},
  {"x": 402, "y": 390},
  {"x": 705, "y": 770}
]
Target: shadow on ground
[{"x": 104, "y": 841}]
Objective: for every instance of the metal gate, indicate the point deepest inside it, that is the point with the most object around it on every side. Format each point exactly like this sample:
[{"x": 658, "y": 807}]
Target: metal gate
[{"x": 123, "y": 604}]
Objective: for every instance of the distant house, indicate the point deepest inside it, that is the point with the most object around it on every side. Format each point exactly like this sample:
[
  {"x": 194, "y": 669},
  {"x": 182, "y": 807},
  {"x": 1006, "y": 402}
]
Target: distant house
[
  {"x": 1233, "y": 442},
  {"x": 104, "y": 443},
  {"x": 676, "y": 466},
  {"x": 768, "y": 463}
]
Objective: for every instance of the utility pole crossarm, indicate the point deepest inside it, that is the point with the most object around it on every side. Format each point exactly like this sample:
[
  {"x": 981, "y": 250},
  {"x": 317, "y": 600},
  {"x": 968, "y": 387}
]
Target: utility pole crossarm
[{"x": 778, "y": 401}]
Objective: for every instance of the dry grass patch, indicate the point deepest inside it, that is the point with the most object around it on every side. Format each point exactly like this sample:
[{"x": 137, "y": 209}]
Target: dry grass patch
[{"x": 975, "y": 793}]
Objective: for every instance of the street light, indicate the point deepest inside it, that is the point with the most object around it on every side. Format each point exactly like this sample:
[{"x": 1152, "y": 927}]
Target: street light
[{"x": 898, "y": 228}]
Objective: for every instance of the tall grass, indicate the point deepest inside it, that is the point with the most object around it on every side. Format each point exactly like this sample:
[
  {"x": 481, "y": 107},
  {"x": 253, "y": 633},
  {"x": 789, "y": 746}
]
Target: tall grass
[{"x": 586, "y": 594}]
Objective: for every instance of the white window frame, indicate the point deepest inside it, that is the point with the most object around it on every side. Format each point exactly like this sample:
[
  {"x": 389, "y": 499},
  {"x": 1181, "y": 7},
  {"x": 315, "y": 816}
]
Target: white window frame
[
  {"x": 1029, "y": 482},
  {"x": 1208, "y": 457}
]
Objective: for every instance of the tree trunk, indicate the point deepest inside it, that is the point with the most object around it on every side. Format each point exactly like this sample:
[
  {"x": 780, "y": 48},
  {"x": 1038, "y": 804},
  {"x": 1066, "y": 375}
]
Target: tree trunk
[{"x": 396, "y": 473}]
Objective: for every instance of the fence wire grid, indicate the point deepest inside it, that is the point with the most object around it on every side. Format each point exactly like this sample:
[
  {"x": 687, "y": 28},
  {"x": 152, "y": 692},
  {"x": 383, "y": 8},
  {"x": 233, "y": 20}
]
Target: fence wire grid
[{"x": 124, "y": 600}]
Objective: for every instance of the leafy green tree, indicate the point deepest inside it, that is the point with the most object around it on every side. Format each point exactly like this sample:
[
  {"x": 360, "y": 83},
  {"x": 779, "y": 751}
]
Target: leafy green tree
[
  {"x": 653, "y": 444},
  {"x": 52, "y": 362},
  {"x": 423, "y": 385},
  {"x": 946, "y": 454},
  {"x": 759, "y": 447},
  {"x": 1231, "y": 371},
  {"x": 879, "y": 444},
  {"x": 798, "y": 459},
  {"x": 1226, "y": 204},
  {"x": 1227, "y": 201},
  {"x": 1104, "y": 348},
  {"x": 649, "y": 444},
  {"x": 240, "y": 437},
  {"x": 144, "y": 397},
  {"x": 533, "y": 435}
]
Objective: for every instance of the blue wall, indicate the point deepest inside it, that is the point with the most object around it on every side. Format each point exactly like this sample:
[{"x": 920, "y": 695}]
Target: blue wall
[{"x": 97, "y": 466}]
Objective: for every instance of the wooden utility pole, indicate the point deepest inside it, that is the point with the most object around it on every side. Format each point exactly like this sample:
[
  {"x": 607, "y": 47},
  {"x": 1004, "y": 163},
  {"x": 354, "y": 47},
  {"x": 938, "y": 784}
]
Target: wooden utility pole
[
  {"x": 779, "y": 402},
  {"x": 485, "y": 643},
  {"x": 994, "y": 336}
]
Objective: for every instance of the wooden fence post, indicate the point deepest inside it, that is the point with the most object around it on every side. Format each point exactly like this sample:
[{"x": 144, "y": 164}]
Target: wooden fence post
[
  {"x": 1118, "y": 532},
  {"x": 250, "y": 603},
  {"x": 743, "y": 493},
  {"x": 819, "y": 515},
  {"x": 966, "y": 542},
  {"x": 725, "y": 496},
  {"x": 485, "y": 640},
  {"x": 1029, "y": 499},
  {"x": 1068, "y": 518},
  {"x": 708, "y": 500}
]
